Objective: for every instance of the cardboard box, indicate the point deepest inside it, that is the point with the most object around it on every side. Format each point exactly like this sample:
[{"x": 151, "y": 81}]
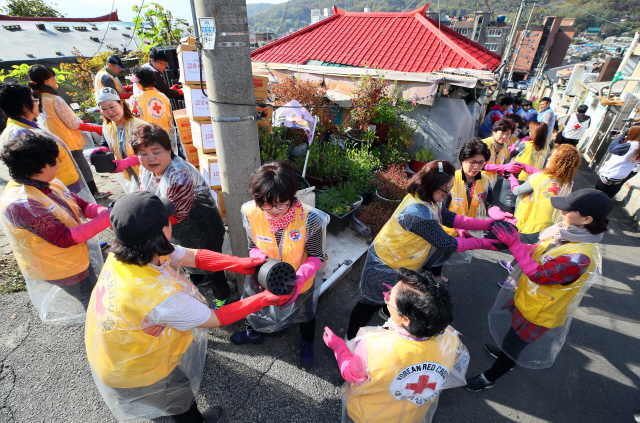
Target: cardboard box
[
  {"x": 260, "y": 83},
  {"x": 190, "y": 41},
  {"x": 186, "y": 138},
  {"x": 183, "y": 123},
  {"x": 196, "y": 103},
  {"x": 203, "y": 136},
  {"x": 261, "y": 97},
  {"x": 209, "y": 169},
  {"x": 195, "y": 162},
  {"x": 192, "y": 152},
  {"x": 186, "y": 47},
  {"x": 267, "y": 120},
  {"x": 219, "y": 197},
  {"x": 190, "y": 67}
]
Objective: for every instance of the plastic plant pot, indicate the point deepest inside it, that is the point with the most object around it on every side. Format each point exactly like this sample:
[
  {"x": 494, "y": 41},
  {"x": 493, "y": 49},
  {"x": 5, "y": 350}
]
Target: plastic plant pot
[
  {"x": 103, "y": 162},
  {"x": 491, "y": 235},
  {"x": 276, "y": 276}
]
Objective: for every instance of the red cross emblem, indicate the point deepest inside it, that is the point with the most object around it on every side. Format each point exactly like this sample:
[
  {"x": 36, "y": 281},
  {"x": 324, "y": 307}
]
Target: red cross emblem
[
  {"x": 100, "y": 309},
  {"x": 157, "y": 107},
  {"x": 421, "y": 385},
  {"x": 555, "y": 189},
  {"x": 576, "y": 126}
]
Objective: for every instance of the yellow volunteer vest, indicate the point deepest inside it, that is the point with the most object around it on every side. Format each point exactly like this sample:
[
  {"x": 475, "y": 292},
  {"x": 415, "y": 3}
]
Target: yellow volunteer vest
[
  {"x": 397, "y": 247},
  {"x": 110, "y": 134},
  {"x": 97, "y": 84},
  {"x": 460, "y": 205},
  {"x": 67, "y": 172},
  {"x": 293, "y": 238},
  {"x": 547, "y": 305},
  {"x": 380, "y": 399},
  {"x": 531, "y": 157},
  {"x": 120, "y": 353},
  {"x": 497, "y": 157},
  {"x": 71, "y": 137},
  {"x": 153, "y": 107},
  {"x": 39, "y": 259},
  {"x": 535, "y": 212}
]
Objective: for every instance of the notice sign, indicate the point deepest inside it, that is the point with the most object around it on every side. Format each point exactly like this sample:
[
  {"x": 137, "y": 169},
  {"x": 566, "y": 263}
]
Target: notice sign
[{"x": 208, "y": 33}]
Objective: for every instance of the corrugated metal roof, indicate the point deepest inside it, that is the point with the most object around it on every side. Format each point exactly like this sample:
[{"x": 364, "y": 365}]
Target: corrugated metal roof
[
  {"x": 16, "y": 45},
  {"x": 405, "y": 42}
]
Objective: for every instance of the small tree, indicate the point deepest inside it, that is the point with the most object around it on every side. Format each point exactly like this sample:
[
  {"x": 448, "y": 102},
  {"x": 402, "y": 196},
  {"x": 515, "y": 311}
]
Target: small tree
[
  {"x": 80, "y": 77},
  {"x": 311, "y": 95},
  {"x": 157, "y": 26},
  {"x": 20, "y": 73},
  {"x": 30, "y": 8}
]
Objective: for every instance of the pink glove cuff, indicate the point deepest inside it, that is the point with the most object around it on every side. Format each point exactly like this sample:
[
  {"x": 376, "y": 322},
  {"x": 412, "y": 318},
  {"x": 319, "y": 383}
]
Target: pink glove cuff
[
  {"x": 308, "y": 268},
  {"x": 83, "y": 233},
  {"x": 344, "y": 358},
  {"x": 92, "y": 210},
  {"x": 466, "y": 244},
  {"x": 529, "y": 169},
  {"x": 490, "y": 167},
  {"x": 255, "y": 252},
  {"x": 469, "y": 223}
]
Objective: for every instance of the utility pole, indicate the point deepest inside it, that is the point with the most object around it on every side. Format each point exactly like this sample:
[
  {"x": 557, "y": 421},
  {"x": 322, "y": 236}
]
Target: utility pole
[
  {"x": 510, "y": 43},
  {"x": 522, "y": 35},
  {"x": 227, "y": 68}
]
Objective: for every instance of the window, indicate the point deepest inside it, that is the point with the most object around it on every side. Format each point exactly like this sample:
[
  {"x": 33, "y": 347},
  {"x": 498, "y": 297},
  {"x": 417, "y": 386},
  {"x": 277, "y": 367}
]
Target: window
[
  {"x": 495, "y": 32},
  {"x": 463, "y": 31},
  {"x": 491, "y": 46}
]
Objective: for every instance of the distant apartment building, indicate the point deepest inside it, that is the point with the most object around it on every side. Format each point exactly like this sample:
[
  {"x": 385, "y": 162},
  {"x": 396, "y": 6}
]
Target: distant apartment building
[
  {"x": 553, "y": 36},
  {"x": 317, "y": 17},
  {"x": 479, "y": 28}
]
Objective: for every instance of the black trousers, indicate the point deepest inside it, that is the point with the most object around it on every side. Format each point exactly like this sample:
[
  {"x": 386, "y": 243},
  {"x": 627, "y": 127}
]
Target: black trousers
[
  {"x": 82, "y": 290},
  {"x": 360, "y": 316},
  {"x": 612, "y": 190},
  {"x": 570, "y": 141},
  {"x": 307, "y": 330},
  {"x": 514, "y": 344}
]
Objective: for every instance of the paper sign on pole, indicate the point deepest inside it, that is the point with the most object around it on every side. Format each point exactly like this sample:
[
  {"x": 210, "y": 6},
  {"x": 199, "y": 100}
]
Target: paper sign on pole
[{"x": 208, "y": 33}]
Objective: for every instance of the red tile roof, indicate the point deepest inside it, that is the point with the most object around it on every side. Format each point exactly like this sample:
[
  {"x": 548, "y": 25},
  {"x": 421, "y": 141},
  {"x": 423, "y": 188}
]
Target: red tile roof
[
  {"x": 405, "y": 42},
  {"x": 111, "y": 17}
]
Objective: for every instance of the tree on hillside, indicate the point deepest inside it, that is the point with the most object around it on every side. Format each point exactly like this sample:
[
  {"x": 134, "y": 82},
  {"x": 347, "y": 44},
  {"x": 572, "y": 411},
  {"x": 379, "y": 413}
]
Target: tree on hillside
[
  {"x": 30, "y": 8},
  {"x": 158, "y": 26}
]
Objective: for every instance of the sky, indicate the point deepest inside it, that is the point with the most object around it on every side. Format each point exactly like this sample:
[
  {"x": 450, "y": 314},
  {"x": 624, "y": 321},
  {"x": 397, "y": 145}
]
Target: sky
[{"x": 93, "y": 8}]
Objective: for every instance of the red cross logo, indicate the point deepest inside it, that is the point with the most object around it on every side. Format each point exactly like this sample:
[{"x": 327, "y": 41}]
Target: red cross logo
[
  {"x": 99, "y": 298},
  {"x": 576, "y": 126},
  {"x": 157, "y": 107},
  {"x": 421, "y": 385},
  {"x": 555, "y": 189}
]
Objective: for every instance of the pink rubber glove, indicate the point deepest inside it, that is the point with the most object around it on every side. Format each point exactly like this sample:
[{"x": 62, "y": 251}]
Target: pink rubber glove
[
  {"x": 92, "y": 210},
  {"x": 514, "y": 182},
  {"x": 83, "y": 233},
  {"x": 463, "y": 233},
  {"x": 344, "y": 357},
  {"x": 469, "y": 223},
  {"x": 513, "y": 167},
  {"x": 123, "y": 164},
  {"x": 490, "y": 167},
  {"x": 305, "y": 271},
  {"x": 498, "y": 214},
  {"x": 91, "y": 128},
  {"x": 97, "y": 150},
  {"x": 511, "y": 238},
  {"x": 255, "y": 252},
  {"x": 529, "y": 169},
  {"x": 466, "y": 244},
  {"x": 512, "y": 147}
]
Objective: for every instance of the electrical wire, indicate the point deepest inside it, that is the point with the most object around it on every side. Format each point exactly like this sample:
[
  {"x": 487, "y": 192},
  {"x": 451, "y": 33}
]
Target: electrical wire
[
  {"x": 133, "y": 35},
  {"x": 597, "y": 17},
  {"x": 283, "y": 16},
  {"x": 105, "y": 32}
]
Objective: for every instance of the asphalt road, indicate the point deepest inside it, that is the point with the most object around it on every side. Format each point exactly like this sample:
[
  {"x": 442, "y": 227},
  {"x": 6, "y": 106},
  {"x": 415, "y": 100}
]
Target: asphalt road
[{"x": 45, "y": 376}]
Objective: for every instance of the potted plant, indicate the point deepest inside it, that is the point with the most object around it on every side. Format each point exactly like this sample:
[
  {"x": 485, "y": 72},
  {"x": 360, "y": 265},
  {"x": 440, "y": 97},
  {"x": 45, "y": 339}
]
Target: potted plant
[
  {"x": 385, "y": 116},
  {"x": 332, "y": 202},
  {"x": 361, "y": 167},
  {"x": 370, "y": 218},
  {"x": 420, "y": 158},
  {"x": 272, "y": 145},
  {"x": 326, "y": 165},
  {"x": 391, "y": 184}
]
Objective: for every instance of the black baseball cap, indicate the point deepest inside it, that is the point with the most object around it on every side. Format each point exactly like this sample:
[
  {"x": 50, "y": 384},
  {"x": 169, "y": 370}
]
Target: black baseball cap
[
  {"x": 589, "y": 202},
  {"x": 115, "y": 60},
  {"x": 140, "y": 216}
]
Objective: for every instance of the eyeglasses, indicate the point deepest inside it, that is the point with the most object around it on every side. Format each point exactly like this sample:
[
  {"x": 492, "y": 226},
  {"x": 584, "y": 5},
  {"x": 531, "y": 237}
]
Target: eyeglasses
[
  {"x": 447, "y": 191},
  {"x": 474, "y": 163},
  {"x": 276, "y": 206},
  {"x": 35, "y": 100},
  {"x": 387, "y": 297}
]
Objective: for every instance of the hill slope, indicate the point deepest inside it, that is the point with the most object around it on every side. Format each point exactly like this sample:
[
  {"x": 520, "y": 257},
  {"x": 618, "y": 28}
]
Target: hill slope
[{"x": 299, "y": 11}]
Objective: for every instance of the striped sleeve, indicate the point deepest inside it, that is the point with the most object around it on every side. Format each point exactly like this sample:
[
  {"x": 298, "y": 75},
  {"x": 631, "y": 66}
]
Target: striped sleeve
[{"x": 181, "y": 193}]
